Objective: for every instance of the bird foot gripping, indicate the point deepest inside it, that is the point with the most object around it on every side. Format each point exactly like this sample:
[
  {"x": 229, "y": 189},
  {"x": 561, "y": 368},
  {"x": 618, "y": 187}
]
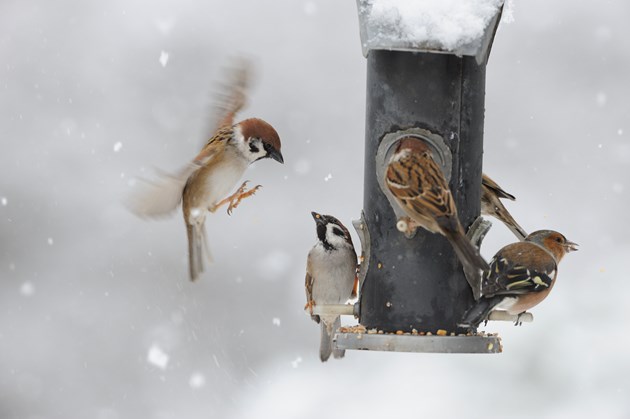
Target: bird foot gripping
[{"x": 235, "y": 199}]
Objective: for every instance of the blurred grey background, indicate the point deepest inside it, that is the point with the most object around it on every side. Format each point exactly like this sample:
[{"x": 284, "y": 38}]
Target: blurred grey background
[{"x": 97, "y": 316}]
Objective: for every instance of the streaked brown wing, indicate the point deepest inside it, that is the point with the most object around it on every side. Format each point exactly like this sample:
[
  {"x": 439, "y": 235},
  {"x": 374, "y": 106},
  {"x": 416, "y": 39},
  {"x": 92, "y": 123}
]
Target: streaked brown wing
[
  {"x": 308, "y": 286},
  {"x": 214, "y": 146},
  {"x": 518, "y": 269},
  {"x": 418, "y": 183}
]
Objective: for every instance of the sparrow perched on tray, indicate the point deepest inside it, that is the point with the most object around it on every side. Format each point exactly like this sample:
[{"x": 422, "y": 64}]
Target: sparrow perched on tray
[
  {"x": 203, "y": 185},
  {"x": 417, "y": 183},
  {"x": 521, "y": 275},
  {"x": 491, "y": 205},
  {"x": 331, "y": 277}
]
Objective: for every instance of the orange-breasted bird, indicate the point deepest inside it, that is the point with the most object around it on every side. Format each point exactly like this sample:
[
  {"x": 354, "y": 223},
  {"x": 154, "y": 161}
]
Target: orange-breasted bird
[{"x": 521, "y": 275}]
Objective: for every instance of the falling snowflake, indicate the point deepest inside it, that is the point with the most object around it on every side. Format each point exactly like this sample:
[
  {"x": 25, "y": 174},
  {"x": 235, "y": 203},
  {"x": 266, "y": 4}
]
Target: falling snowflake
[
  {"x": 296, "y": 362},
  {"x": 117, "y": 147},
  {"x": 50, "y": 241},
  {"x": 5, "y": 201},
  {"x": 27, "y": 289},
  {"x": 276, "y": 321},
  {"x": 163, "y": 58},
  {"x": 601, "y": 99},
  {"x": 328, "y": 177},
  {"x": 157, "y": 357},
  {"x": 197, "y": 380}
]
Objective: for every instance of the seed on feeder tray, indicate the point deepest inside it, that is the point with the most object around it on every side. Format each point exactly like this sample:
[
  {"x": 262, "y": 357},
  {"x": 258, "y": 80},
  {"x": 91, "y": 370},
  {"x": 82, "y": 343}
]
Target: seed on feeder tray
[
  {"x": 402, "y": 226},
  {"x": 380, "y": 332},
  {"x": 388, "y": 304},
  {"x": 490, "y": 346},
  {"x": 414, "y": 332},
  {"x": 441, "y": 332},
  {"x": 429, "y": 334},
  {"x": 371, "y": 331},
  {"x": 399, "y": 332},
  {"x": 380, "y": 265}
]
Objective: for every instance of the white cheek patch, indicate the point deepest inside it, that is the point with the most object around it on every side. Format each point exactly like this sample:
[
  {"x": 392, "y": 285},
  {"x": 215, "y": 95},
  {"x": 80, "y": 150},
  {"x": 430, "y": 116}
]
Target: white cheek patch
[{"x": 333, "y": 238}]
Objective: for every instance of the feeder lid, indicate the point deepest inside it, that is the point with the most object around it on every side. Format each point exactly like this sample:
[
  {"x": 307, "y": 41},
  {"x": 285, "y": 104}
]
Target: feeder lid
[{"x": 459, "y": 27}]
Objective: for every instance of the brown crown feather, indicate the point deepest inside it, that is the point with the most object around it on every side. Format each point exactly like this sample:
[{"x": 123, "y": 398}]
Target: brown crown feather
[{"x": 257, "y": 128}]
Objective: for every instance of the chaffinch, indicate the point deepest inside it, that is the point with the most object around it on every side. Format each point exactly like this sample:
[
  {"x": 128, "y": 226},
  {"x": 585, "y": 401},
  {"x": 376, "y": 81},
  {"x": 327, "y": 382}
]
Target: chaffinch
[
  {"x": 521, "y": 275},
  {"x": 491, "y": 205}
]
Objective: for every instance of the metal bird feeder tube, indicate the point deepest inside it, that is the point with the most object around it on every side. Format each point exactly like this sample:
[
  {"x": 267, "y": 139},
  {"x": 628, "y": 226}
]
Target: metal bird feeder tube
[{"x": 418, "y": 283}]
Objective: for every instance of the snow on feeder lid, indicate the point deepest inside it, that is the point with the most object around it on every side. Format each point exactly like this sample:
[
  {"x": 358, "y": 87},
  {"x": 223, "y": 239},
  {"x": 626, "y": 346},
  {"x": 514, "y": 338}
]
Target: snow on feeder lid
[{"x": 459, "y": 27}]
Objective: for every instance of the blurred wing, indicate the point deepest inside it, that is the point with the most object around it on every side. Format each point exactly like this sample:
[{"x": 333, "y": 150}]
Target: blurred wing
[
  {"x": 161, "y": 196},
  {"x": 418, "y": 183},
  {"x": 231, "y": 95}
]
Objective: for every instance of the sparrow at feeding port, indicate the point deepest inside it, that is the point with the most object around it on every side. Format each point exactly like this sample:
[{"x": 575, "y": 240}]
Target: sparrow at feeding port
[
  {"x": 491, "y": 205},
  {"x": 521, "y": 275},
  {"x": 417, "y": 183},
  {"x": 205, "y": 182},
  {"x": 331, "y": 275}
]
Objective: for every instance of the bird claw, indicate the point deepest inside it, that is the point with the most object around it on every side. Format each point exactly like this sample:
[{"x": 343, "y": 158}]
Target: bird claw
[
  {"x": 235, "y": 199},
  {"x": 309, "y": 305},
  {"x": 241, "y": 194},
  {"x": 518, "y": 321}
]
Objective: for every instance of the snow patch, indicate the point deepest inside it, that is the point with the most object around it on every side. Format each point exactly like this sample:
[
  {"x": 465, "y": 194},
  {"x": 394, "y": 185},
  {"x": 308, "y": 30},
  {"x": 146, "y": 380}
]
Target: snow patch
[{"x": 434, "y": 24}]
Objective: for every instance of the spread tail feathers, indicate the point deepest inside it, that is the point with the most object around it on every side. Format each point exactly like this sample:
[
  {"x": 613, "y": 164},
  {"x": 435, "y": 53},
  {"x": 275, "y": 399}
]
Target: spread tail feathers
[
  {"x": 328, "y": 330},
  {"x": 159, "y": 197},
  {"x": 197, "y": 247}
]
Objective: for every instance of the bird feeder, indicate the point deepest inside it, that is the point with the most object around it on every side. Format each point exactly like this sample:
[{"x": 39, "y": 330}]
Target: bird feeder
[{"x": 422, "y": 82}]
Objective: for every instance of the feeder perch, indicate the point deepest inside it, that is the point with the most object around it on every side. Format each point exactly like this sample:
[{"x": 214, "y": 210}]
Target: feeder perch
[{"x": 426, "y": 88}]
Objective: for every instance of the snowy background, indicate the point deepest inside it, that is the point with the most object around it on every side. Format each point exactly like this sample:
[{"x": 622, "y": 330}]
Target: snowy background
[{"x": 97, "y": 316}]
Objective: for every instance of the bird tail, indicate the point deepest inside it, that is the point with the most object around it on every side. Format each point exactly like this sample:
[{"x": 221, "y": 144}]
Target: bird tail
[
  {"x": 328, "y": 330},
  {"x": 197, "y": 247},
  {"x": 479, "y": 312},
  {"x": 505, "y": 216},
  {"x": 468, "y": 254}
]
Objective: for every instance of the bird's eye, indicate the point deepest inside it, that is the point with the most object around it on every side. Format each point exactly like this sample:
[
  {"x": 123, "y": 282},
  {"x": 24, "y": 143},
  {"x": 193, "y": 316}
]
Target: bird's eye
[
  {"x": 559, "y": 239},
  {"x": 338, "y": 231}
]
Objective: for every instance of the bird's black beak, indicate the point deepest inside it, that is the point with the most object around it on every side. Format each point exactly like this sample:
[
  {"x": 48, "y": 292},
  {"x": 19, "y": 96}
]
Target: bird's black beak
[
  {"x": 317, "y": 217},
  {"x": 276, "y": 155}
]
